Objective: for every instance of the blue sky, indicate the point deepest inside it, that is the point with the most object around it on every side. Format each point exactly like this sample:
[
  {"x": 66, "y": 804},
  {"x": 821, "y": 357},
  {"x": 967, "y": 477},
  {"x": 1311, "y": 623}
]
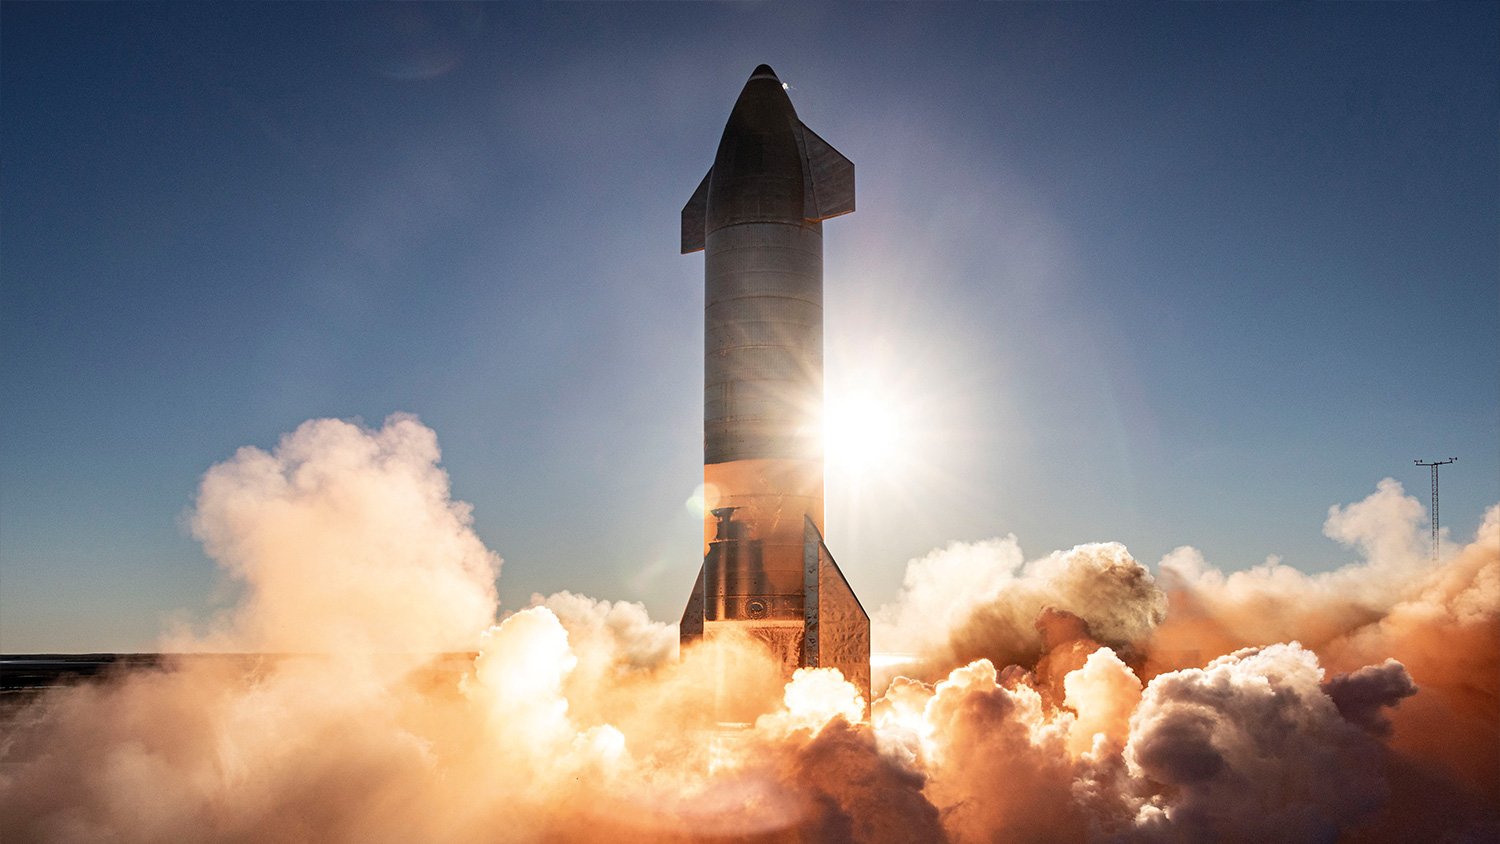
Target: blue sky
[{"x": 1158, "y": 274}]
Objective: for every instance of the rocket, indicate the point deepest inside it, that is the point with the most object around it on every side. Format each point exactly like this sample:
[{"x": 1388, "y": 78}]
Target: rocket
[{"x": 758, "y": 218}]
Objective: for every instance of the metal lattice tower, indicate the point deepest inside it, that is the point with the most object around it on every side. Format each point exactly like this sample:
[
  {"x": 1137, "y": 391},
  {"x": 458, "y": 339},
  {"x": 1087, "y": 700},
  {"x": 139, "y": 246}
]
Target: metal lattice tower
[{"x": 1434, "y": 465}]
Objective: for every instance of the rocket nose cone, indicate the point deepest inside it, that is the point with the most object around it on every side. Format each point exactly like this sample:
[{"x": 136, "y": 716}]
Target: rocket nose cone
[{"x": 764, "y": 72}]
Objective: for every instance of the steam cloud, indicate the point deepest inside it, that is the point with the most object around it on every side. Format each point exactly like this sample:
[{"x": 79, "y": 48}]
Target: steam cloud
[{"x": 1071, "y": 697}]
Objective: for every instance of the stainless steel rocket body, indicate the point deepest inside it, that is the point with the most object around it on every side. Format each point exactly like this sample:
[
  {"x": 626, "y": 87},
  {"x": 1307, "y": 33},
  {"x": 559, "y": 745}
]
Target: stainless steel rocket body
[
  {"x": 763, "y": 338},
  {"x": 758, "y": 216},
  {"x": 763, "y": 398}
]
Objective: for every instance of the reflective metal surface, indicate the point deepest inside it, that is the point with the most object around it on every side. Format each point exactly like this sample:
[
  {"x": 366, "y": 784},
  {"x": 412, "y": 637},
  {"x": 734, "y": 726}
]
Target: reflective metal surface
[
  {"x": 763, "y": 355},
  {"x": 837, "y": 631},
  {"x": 690, "y": 629},
  {"x": 758, "y": 216}
]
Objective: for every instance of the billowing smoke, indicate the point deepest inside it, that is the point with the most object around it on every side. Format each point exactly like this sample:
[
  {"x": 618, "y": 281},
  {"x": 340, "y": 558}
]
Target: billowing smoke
[
  {"x": 345, "y": 540},
  {"x": 1072, "y": 697},
  {"x": 1013, "y": 612}
]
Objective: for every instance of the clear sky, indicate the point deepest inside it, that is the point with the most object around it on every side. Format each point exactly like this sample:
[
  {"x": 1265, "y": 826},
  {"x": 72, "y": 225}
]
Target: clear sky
[{"x": 1166, "y": 275}]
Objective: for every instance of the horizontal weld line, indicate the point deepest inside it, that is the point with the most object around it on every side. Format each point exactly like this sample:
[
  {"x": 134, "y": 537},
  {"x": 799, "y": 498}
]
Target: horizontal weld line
[
  {"x": 775, "y": 322},
  {"x": 791, "y": 224},
  {"x": 725, "y": 349},
  {"x": 791, "y": 267},
  {"x": 779, "y": 378},
  {"x": 723, "y": 300}
]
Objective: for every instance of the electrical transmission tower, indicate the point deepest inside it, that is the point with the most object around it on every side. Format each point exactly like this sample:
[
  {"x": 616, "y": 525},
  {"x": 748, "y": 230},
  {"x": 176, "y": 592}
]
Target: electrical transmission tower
[{"x": 1435, "y": 464}]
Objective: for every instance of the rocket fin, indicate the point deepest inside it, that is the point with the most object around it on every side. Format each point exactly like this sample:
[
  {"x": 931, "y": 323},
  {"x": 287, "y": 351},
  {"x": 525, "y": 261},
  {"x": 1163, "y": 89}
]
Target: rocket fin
[
  {"x": 695, "y": 216},
  {"x": 690, "y": 630},
  {"x": 827, "y": 178},
  {"x": 836, "y": 626}
]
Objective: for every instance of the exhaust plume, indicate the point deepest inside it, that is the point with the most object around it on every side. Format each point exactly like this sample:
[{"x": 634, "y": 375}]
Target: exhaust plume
[{"x": 1072, "y": 697}]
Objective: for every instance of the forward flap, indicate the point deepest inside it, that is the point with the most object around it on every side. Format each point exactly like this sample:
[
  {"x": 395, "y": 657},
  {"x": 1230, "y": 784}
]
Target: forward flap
[
  {"x": 695, "y": 216},
  {"x": 827, "y": 177}
]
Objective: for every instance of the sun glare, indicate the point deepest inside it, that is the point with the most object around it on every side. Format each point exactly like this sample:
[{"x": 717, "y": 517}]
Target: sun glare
[
  {"x": 886, "y": 428},
  {"x": 879, "y": 429},
  {"x": 865, "y": 433},
  {"x": 858, "y": 429}
]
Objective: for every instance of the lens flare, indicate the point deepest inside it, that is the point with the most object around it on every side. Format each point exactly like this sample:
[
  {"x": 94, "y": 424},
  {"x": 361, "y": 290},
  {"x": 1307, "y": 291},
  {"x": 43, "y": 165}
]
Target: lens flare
[
  {"x": 861, "y": 431},
  {"x": 703, "y": 500}
]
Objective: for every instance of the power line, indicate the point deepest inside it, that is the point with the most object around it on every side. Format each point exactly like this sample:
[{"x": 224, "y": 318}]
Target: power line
[{"x": 1435, "y": 464}]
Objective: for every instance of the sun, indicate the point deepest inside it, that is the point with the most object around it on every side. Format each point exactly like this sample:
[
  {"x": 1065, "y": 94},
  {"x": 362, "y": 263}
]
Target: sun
[
  {"x": 889, "y": 435},
  {"x": 864, "y": 433}
]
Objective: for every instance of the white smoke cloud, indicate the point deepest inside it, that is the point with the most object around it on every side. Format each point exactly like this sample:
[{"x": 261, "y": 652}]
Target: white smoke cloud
[
  {"x": 949, "y": 582},
  {"x": 1073, "y": 697},
  {"x": 345, "y": 539},
  {"x": 1384, "y": 527},
  {"x": 1276, "y": 602},
  {"x": 1103, "y": 693},
  {"x": 1251, "y": 748},
  {"x": 981, "y": 600}
]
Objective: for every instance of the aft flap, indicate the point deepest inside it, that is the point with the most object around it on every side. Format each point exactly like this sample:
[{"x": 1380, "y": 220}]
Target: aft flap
[
  {"x": 695, "y": 216},
  {"x": 827, "y": 177},
  {"x": 836, "y": 628},
  {"x": 690, "y": 629}
]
